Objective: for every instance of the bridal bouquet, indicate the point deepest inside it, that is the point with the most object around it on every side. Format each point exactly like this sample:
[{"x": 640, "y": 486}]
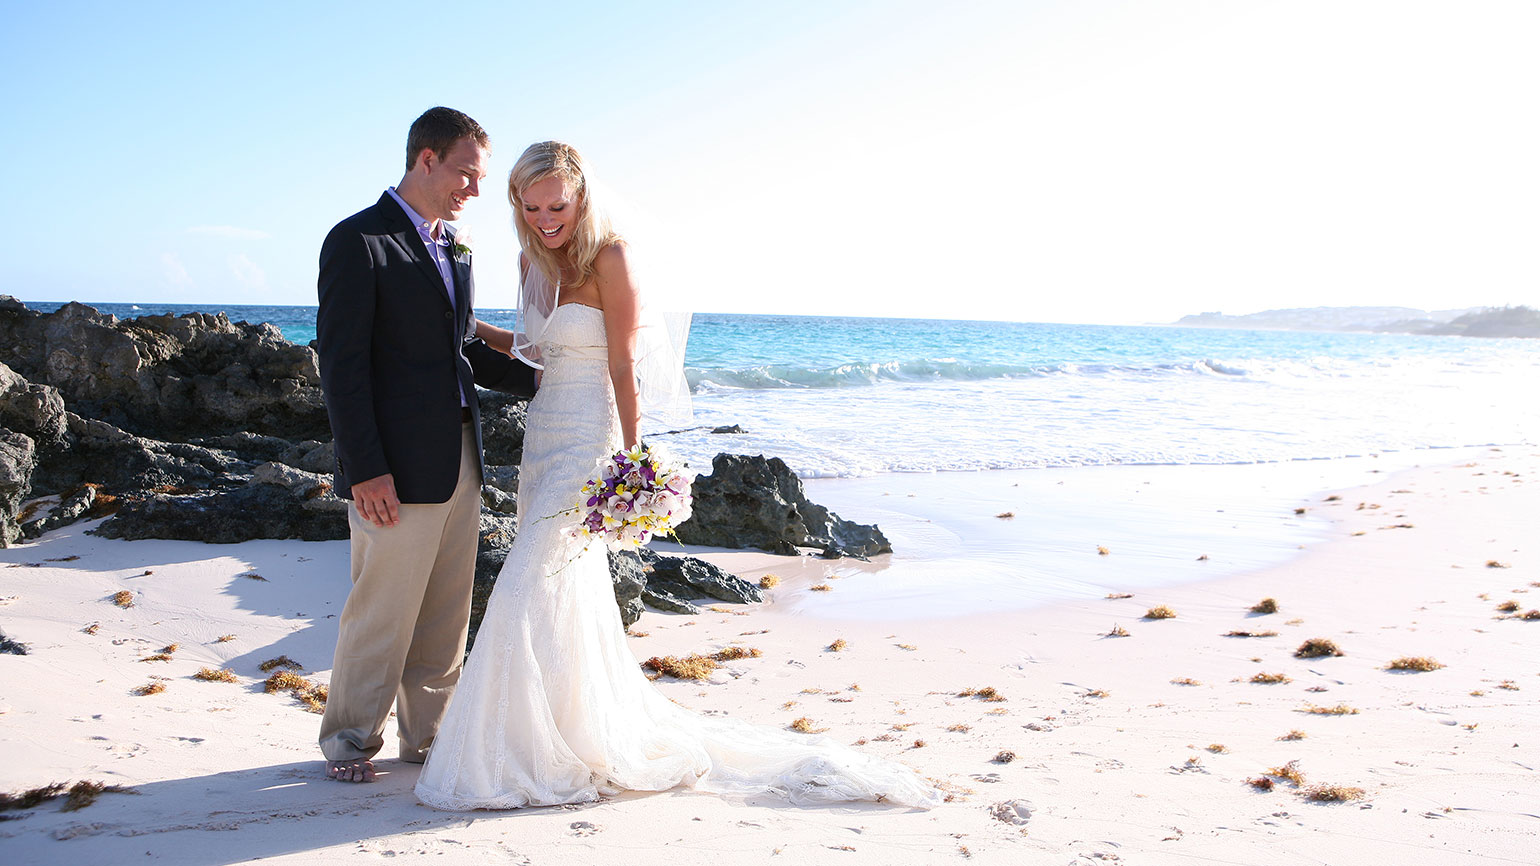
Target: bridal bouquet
[{"x": 635, "y": 495}]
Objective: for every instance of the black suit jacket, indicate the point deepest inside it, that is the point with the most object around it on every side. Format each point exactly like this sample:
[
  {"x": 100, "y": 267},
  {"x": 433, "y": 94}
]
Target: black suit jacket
[{"x": 392, "y": 348}]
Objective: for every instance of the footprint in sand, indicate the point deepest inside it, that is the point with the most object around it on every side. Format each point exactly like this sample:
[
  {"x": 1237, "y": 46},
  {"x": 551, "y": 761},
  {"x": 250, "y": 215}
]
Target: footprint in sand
[{"x": 1012, "y": 811}]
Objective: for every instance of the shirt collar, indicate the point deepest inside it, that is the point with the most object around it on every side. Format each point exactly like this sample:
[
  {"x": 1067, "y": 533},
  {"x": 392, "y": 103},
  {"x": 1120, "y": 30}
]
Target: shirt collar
[{"x": 423, "y": 225}]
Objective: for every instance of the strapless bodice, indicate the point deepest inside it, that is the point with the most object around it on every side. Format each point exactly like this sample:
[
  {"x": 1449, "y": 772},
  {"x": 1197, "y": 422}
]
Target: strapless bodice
[{"x": 575, "y": 331}]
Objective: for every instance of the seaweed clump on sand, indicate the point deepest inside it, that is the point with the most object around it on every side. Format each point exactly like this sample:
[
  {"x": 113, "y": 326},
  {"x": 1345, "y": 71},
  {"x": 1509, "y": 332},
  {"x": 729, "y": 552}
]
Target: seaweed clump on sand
[
  {"x": 696, "y": 666},
  {"x": 77, "y": 796},
  {"x": 1414, "y": 663},
  {"x": 284, "y": 662},
  {"x": 1317, "y": 647},
  {"x": 312, "y": 695},
  {"x": 1333, "y": 793}
]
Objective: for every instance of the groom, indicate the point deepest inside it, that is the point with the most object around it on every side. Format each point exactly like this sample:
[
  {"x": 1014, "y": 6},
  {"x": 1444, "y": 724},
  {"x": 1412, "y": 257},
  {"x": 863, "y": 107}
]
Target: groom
[{"x": 400, "y": 362}]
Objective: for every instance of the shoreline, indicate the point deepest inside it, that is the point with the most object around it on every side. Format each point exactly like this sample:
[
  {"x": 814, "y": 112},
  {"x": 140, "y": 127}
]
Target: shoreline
[{"x": 1126, "y": 774}]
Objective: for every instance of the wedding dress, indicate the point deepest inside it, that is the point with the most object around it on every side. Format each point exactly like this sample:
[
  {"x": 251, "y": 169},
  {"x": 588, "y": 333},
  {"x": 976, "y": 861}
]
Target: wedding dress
[{"x": 552, "y": 706}]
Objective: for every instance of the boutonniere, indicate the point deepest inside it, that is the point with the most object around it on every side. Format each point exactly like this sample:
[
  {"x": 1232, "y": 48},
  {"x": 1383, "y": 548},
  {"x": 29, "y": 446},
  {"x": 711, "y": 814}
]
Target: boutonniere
[{"x": 462, "y": 243}]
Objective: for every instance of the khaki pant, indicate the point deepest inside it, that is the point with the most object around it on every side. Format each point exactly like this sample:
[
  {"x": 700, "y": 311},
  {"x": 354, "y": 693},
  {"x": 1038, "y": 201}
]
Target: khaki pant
[{"x": 402, "y": 634}]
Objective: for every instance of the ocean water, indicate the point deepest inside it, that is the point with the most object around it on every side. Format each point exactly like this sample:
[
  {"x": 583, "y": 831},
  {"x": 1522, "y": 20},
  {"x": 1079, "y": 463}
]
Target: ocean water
[{"x": 842, "y": 397}]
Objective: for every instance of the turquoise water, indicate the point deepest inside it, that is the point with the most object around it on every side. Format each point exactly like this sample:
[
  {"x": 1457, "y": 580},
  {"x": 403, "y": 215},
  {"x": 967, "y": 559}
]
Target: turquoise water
[{"x": 857, "y": 396}]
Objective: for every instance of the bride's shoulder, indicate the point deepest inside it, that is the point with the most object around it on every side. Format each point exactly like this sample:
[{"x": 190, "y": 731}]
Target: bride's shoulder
[{"x": 613, "y": 262}]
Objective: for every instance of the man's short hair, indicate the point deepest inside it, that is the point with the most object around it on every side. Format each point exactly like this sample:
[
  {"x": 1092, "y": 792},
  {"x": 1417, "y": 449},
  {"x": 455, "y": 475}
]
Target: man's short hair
[{"x": 438, "y": 129}]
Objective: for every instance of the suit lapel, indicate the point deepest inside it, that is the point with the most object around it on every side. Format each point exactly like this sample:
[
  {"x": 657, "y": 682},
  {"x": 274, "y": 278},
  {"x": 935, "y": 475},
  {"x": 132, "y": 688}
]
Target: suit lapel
[
  {"x": 460, "y": 269},
  {"x": 406, "y": 235}
]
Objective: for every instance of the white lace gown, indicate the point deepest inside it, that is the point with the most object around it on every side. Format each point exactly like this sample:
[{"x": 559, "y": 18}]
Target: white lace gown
[{"x": 552, "y": 707}]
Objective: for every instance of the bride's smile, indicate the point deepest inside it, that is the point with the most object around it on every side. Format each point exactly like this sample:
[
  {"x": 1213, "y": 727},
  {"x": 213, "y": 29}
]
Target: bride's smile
[{"x": 549, "y": 209}]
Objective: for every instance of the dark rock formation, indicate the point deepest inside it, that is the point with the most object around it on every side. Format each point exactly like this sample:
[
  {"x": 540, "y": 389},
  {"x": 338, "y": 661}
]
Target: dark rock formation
[
  {"x": 502, "y": 428},
  {"x": 759, "y": 502},
  {"x": 500, "y": 488},
  {"x": 252, "y": 447},
  {"x": 667, "y": 601},
  {"x": 279, "y": 502},
  {"x": 495, "y": 536},
  {"x": 168, "y": 377},
  {"x": 72, "y": 508},
  {"x": 98, "y": 452},
  {"x": 312, "y": 487},
  {"x": 688, "y": 577},
  {"x": 504, "y": 478},
  {"x": 34, "y": 410},
  {"x": 663, "y": 582},
  {"x": 494, "y": 499},
  {"x": 319, "y": 458},
  {"x": 18, "y": 458},
  {"x": 630, "y": 578}
]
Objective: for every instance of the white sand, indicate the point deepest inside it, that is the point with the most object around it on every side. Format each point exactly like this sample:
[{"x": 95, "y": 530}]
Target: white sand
[{"x": 1449, "y": 776}]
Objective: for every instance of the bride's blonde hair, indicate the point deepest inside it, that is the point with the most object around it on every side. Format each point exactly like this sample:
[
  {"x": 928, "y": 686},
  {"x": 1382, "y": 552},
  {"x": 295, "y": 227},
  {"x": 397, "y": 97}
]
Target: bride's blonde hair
[{"x": 591, "y": 231}]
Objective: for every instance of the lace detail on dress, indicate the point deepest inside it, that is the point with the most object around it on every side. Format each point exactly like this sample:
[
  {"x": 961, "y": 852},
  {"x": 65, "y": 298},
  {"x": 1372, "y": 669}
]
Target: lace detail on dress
[{"x": 552, "y": 706}]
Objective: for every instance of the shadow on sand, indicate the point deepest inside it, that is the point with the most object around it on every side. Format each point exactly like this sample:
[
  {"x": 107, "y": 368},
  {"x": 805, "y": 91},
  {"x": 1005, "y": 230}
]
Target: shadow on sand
[{"x": 260, "y": 812}]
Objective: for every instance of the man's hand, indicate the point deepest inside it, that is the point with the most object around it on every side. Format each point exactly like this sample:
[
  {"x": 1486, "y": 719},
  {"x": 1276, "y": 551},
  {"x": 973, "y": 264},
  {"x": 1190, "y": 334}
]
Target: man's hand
[{"x": 376, "y": 500}]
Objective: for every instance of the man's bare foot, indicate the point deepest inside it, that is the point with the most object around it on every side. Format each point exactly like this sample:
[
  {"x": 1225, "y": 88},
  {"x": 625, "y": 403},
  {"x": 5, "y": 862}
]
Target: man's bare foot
[{"x": 359, "y": 770}]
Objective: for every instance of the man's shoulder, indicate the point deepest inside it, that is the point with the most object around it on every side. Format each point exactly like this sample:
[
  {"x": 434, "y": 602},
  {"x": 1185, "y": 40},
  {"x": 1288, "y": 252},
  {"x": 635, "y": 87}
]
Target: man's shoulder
[{"x": 372, "y": 220}]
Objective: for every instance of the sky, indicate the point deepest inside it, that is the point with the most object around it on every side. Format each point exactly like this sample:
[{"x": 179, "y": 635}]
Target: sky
[{"x": 1036, "y": 160}]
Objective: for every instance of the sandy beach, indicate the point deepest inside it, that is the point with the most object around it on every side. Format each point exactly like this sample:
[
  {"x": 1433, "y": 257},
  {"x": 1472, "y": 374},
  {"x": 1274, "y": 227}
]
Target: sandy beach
[{"x": 1069, "y": 726}]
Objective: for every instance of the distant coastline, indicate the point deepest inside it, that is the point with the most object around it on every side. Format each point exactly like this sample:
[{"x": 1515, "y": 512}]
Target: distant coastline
[{"x": 1470, "y": 322}]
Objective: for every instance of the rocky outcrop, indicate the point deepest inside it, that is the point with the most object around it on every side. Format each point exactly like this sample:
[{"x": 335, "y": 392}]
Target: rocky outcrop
[
  {"x": 663, "y": 600},
  {"x": 256, "y": 511},
  {"x": 759, "y": 502},
  {"x": 502, "y": 428},
  {"x": 500, "y": 488},
  {"x": 278, "y": 502},
  {"x": 666, "y": 583},
  {"x": 18, "y": 458},
  {"x": 97, "y": 452},
  {"x": 630, "y": 578},
  {"x": 173, "y": 416},
  {"x": 494, "y": 537},
  {"x": 253, "y": 447},
  {"x": 34, "y": 410},
  {"x": 168, "y": 377},
  {"x": 29, "y": 415},
  {"x": 73, "y": 507},
  {"x": 688, "y": 577},
  {"x": 319, "y": 458}
]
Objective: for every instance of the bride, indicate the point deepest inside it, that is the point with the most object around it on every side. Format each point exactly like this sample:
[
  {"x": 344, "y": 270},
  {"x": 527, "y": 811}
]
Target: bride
[{"x": 552, "y": 707}]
